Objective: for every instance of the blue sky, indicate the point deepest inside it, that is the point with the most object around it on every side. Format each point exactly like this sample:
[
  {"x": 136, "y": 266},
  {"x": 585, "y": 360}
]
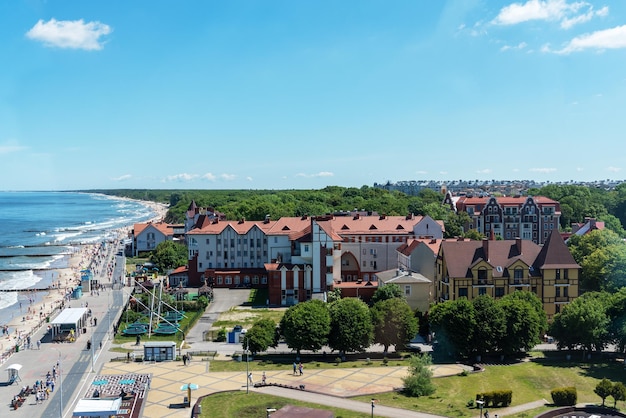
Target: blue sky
[{"x": 305, "y": 94}]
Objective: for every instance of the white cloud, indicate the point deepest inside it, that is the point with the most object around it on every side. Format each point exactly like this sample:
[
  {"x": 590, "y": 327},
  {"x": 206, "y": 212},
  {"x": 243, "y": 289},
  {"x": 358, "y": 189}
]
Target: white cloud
[
  {"x": 209, "y": 176},
  {"x": 320, "y": 174},
  {"x": 249, "y": 178},
  {"x": 568, "y": 14},
  {"x": 542, "y": 170},
  {"x": 519, "y": 46},
  {"x": 613, "y": 169},
  {"x": 421, "y": 172},
  {"x": 613, "y": 38},
  {"x": 484, "y": 171},
  {"x": 228, "y": 177},
  {"x": 182, "y": 177},
  {"x": 123, "y": 177},
  {"x": 10, "y": 147},
  {"x": 73, "y": 34}
]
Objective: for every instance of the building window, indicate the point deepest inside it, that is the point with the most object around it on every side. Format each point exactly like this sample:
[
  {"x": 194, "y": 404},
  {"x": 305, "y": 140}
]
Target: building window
[
  {"x": 407, "y": 290},
  {"x": 518, "y": 273},
  {"x": 482, "y": 291},
  {"x": 263, "y": 280},
  {"x": 557, "y": 274},
  {"x": 306, "y": 248},
  {"x": 482, "y": 273},
  {"x": 499, "y": 292},
  {"x": 558, "y": 291},
  {"x": 208, "y": 241},
  {"x": 566, "y": 274},
  {"x": 229, "y": 280},
  {"x": 219, "y": 279},
  {"x": 255, "y": 280},
  {"x": 462, "y": 292},
  {"x": 237, "y": 280}
]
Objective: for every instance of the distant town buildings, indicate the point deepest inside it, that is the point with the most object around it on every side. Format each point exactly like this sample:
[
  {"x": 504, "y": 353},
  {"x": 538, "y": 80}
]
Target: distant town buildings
[{"x": 486, "y": 187}]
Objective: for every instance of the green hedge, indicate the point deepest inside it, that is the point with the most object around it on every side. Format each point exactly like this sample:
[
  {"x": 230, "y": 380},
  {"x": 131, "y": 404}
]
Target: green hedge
[
  {"x": 496, "y": 398},
  {"x": 564, "y": 396}
]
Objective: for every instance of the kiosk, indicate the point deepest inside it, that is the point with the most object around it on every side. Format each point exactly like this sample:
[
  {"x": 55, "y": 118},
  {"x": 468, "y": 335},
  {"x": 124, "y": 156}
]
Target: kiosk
[{"x": 159, "y": 351}]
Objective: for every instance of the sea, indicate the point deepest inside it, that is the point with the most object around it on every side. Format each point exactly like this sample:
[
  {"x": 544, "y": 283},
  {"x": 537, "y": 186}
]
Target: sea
[{"x": 40, "y": 230}]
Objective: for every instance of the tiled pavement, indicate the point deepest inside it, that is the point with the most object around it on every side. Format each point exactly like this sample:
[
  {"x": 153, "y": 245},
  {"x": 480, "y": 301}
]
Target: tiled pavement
[{"x": 168, "y": 377}]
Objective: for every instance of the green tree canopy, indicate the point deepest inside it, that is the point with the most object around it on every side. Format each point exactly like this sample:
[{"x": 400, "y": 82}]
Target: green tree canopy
[
  {"x": 388, "y": 291},
  {"x": 490, "y": 325},
  {"x": 523, "y": 324},
  {"x": 394, "y": 323},
  {"x": 169, "y": 255},
  {"x": 261, "y": 336},
  {"x": 603, "y": 389},
  {"x": 350, "y": 325},
  {"x": 582, "y": 322},
  {"x": 618, "y": 392},
  {"x": 306, "y": 325},
  {"x": 453, "y": 323}
]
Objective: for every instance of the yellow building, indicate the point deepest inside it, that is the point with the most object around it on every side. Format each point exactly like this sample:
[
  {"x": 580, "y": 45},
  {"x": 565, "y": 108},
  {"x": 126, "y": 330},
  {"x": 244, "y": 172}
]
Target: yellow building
[{"x": 500, "y": 267}]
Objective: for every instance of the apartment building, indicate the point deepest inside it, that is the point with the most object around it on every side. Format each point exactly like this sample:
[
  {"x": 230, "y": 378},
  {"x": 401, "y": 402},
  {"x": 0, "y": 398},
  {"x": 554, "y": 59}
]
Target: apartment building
[
  {"x": 527, "y": 217},
  {"x": 300, "y": 258},
  {"x": 468, "y": 269}
]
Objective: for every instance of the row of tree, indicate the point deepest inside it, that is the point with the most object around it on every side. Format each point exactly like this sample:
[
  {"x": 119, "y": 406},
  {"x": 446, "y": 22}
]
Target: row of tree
[
  {"x": 592, "y": 321},
  {"x": 344, "y": 325},
  {"x": 505, "y": 326},
  {"x": 577, "y": 203}
]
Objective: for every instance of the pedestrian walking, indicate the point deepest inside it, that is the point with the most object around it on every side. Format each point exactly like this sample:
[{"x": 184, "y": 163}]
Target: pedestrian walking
[
  {"x": 300, "y": 367},
  {"x": 295, "y": 367},
  {"x": 250, "y": 378},
  {"x": 263, "y": 378}
]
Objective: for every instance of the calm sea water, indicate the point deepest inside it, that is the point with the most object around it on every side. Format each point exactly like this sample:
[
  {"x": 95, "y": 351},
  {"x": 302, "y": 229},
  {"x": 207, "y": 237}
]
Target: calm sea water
[{"x": 38, "y": 231}]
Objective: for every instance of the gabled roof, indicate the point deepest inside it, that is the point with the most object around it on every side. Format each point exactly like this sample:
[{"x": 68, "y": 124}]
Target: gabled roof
[
  {"x": 461, "y": 255},
  {"x": 241, "y": 227},
  {"x": 555, "y": 254},
  {"x": 402, "y": 277},
  {"x": 412, "y": 244},
  {"x": 164, "y": 228}
]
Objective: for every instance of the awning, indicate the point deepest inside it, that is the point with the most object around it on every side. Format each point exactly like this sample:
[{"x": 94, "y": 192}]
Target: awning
[
  {"x": 15, "y": 367},
  {"x": 70, "y": 316},
  {"x": 97, "y": 407}
]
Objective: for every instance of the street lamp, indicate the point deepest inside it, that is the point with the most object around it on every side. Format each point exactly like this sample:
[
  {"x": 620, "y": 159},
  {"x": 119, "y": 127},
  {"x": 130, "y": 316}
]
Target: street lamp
[
  {"x": 247, "y": 366},
  {"x": 480, "y": 404},
  {"x": 373, "y": 401}
]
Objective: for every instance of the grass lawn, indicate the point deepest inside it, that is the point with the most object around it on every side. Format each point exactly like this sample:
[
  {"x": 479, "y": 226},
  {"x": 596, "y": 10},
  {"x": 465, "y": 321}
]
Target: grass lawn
[
  {"x": 186, "y": 323},
  {"x": 254, "y": 405},
  {"x": 529, "y": 381},
  {"x": 246, "y": 317}
]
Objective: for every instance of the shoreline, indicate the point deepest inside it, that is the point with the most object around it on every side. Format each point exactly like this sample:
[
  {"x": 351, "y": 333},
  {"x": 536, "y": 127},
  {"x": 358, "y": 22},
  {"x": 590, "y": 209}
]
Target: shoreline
[{"x": 44, "y": 306}]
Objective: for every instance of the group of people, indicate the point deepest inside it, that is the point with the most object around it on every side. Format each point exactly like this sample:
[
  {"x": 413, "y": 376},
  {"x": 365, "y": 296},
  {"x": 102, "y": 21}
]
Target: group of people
[
  {"x": 298, "y": 367},
  {"x": 186, "y": 358}
]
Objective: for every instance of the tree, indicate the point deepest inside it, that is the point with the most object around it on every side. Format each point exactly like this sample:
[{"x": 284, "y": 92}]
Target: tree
[
  {"x": 618, "y": 392},
  {"x": 394, "y": 322},
  {"x": 490, "y": 324},
  {"x": 169, "y": 255},
  {"x": 536, "y": 304},
  {"x": 418, "y": 382},
  {"x": 604, "y": 389},
  {"x": 388, "y": 291},
  {"x": 306, "y": 325},
  {"x": 453, "y": 323},
  {"x": 523, "y": 324},
  {"x": 582, "y": 322},
  {"x": 261, "y": 336},
  {"x": 350, "y": 325},
  {"x": 333, "y": 295},
  {"x": 473, "y": 235}
]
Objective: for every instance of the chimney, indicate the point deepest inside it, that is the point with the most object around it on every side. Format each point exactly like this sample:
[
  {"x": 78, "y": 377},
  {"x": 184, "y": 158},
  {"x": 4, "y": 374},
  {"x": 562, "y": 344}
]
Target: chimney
[
  {"x": 492, "y": 235},
  {"x": 486, "y": 248},
  {"x": 267, "y": 219},
  {"x": 518, "y": 244},
  {"x": 383, "y": 216},
  {"x": 357, "y": 216}
]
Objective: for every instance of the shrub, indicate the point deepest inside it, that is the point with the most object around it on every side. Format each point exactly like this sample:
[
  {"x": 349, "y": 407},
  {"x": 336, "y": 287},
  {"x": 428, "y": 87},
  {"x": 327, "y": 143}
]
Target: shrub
[
  {"x": 221, "y": 335},
  {"x": 564, "y": 396},
  {"x": 496, "y": 398},
  {"x": 418, "y": 382}
]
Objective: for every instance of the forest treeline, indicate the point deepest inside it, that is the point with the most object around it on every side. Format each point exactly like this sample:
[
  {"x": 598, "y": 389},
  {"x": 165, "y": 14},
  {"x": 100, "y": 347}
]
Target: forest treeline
[{"x": 577, "y": 203}]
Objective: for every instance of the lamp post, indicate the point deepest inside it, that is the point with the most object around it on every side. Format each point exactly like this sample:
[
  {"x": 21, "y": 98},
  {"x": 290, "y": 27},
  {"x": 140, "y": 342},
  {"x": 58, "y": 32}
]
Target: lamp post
[
  {"x": 247, "y": 367},
  {"x": 60, "y": 383},
  {"x": 480, "y": 404},
  {"x": 373, "y": 401}
]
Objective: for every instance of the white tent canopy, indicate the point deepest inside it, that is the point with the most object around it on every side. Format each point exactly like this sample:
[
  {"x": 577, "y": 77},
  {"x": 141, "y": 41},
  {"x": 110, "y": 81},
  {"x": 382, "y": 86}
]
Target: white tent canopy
[
  {"x": 69, "y": 318},
  {"x": 97, "y": 407}
]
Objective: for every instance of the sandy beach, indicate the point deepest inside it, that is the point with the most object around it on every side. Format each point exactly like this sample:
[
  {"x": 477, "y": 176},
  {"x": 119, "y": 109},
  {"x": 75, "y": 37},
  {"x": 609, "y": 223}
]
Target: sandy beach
[{"x": 34, "y": 313}]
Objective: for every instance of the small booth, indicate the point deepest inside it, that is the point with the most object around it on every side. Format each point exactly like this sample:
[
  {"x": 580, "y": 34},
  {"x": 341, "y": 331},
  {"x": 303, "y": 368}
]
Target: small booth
[
  {"x": 103, "y": 408},
  {"x": 14, "y": 373},
  {"x": 87, "y": 281},
  {"x": 159, "y": 351},
  {"x": 69, "y": 323},
  {"x": 77, "y": 293}
]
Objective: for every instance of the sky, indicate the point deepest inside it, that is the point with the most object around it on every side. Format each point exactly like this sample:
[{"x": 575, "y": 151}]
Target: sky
[{"x": 266, "y": 94}]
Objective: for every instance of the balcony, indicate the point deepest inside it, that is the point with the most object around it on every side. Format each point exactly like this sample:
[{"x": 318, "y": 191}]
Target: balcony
[
  {"x": 519, "y": 282},
  {"x": 482, "y": 282},
  {"x": 562, "y": 299},
  {"x": 561, "y": 281}
]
